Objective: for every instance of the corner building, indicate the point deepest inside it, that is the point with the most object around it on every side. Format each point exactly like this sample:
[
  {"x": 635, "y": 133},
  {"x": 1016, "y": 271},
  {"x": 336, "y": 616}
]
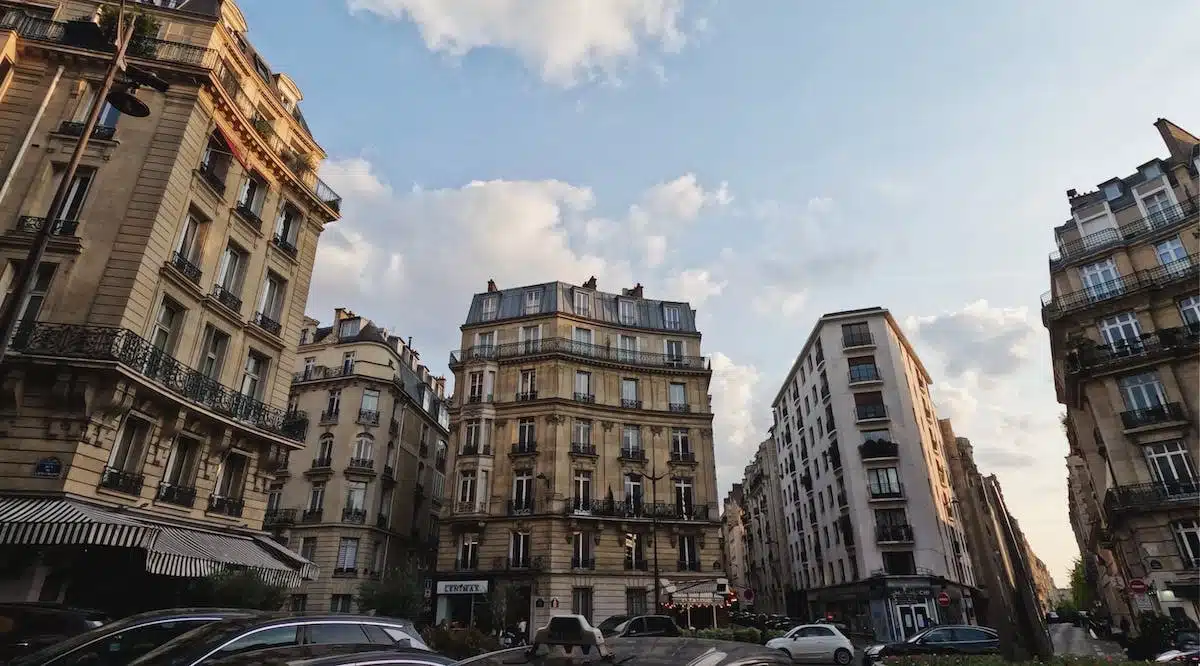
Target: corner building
[
  {"x": 1123, "y": 314},
  {"x": 869, "y": 511},
  {"x": 144, "y": 402},
  {"x": 582, "y": 459}
]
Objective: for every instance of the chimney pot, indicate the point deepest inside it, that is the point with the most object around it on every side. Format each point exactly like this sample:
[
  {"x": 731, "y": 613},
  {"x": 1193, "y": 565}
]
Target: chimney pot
[
  {"x": 1072, "y": 193},
  {"x": 492, "y": 286},
  {"x": 591, "y": 283}
]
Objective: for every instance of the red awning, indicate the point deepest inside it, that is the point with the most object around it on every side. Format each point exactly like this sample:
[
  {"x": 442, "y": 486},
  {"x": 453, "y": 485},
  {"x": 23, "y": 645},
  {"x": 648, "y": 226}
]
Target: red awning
[{"x": 233, "y": 149}]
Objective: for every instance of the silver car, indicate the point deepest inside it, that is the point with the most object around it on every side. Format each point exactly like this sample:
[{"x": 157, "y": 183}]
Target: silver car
[{"x": 821, "y": 643}]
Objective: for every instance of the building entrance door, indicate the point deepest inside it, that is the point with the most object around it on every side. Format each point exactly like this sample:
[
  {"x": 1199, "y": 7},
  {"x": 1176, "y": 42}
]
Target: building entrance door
[{"x": 911, "y": 618}]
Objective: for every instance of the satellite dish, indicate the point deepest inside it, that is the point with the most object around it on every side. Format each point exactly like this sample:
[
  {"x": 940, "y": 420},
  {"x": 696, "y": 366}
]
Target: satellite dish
[{"x": 127, "y": 103}]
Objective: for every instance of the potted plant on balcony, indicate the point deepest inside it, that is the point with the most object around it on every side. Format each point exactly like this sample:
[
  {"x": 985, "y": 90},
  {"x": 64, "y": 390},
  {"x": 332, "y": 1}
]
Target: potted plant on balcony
[{"x": 145, "y": 31}]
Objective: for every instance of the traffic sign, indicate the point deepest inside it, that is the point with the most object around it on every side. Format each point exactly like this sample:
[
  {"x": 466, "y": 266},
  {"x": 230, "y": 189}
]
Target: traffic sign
[
  {"x": 1137, "y": 586},
  {"x": 943, "y": 599}
]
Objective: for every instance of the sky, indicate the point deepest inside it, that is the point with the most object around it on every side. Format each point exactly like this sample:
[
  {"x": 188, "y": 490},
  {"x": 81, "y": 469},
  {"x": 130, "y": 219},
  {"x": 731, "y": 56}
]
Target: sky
[{"x": 766, "y": 160}]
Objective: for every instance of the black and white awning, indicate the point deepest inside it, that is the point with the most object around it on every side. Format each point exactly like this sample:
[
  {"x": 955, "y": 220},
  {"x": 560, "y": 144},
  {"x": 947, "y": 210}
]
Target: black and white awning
[
  {"x": 60, "y": 522},
  {"x": 193, "y": 554}
]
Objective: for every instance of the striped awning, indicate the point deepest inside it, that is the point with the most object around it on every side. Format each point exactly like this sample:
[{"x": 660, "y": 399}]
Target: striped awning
[
  {"x": 60, "y": 522},
  {"x": 308, "y": 570},
  {"x": 195, "y": 553}
]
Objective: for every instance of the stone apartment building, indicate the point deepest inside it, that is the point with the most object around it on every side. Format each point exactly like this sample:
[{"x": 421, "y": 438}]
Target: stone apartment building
[
  {"x": 768, "y": 569},
  {"x": 145, "y": 397},
  {"x": 362, "y": 499},
  {"x": 872, "y": 530},
  {"x": 581, "y": 460},
  {"x": 733, "y": 534},
  {"x": 1123, "y": 314}
]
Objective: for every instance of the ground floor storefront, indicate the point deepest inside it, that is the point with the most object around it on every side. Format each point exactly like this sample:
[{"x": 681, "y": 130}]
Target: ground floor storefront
[
  {"x": 892, "y": 608},
  {"x": 68, "y": 550}
]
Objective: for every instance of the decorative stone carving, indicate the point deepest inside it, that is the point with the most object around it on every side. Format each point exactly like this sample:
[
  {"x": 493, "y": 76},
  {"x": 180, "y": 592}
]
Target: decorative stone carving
[
  {"x": 12, "y": 390},
  {"x": 500, "y": 423},
  {"x": 656, "y": 430},
  {"x": 706, "y": 433},
  {"x": 607, "y": 425},
  {"x": 554, "y": 419}
]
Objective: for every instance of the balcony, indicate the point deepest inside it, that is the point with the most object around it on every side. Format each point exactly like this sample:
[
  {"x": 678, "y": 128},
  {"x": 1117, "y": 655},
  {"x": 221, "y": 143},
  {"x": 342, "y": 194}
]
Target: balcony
[
  {"x": 1156, "y": 496},
  {"x": 285, "y": 245},
  {"x": 248, "y": 215},
  {"x": 637, "y": 508},
  {"x": 354, "y": 516},
  {"x": 312, "y": 515},
  {"x": 520, "y": 507},
  {"x": 227, "y": 298},
  {"x": 580, "y": 350},
  {"x": 75, "y": 129},
  {"x": 318, "y": 372},
  {"x": 1106, "y": 239},
  {"x": 683, "y": 457},
  {"x": 631, "y": 404},
  {"x": 177, "y": 495},
  {"x": 679, "y": 407},
  {"x": 1163, "y": 343},
  {"x": 321, "y": 463},
  {"x": 582, "y": 449},
  {"x": 226, "y": 506},
  {"x": 583, "y": 562},
  {"x": 470, "y": 507},
  {"x": 886, "y": 493},
  {"x": 478, "y": 398},
  {"x": 345, "y": 572},
  {"x": 45, "y": 30},
  {"x": 589, "y": 398},
  {"x": 873, "y": 412},
  {"x": 688, "y": 565},
  {"x": 855, "y": 340},
  {"x": 279, "y": 517},
  {"x": 368, "y": 417},
  {"x": 267, "y": 324},
  {"x": 859, "y": 375},
  {"x": 526, "y": 396},
  {"x": 121, "y": 481},
  {"x": 633, "y": 454},
  {"x": 361, "y": 466},
  {"x": 893, "y": 534},
  {"x": 100, "y": 343},
  {"x": 186, "y": 267},
  {"x": 1176, "y": 272},
  {"x": 639, "y": 564},
  {"x": 878, "y": 449},
  {"x": 30, "y": 224},
  {"x": 466, "y": 563},
  {"x": 523, "y": 563},
  {"x": 329, "y": 416},
  {"x": 1171, "y": 412}
]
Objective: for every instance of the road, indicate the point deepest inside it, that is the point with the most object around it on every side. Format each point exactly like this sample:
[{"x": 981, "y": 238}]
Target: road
[{"x": 1071, "y": 640}]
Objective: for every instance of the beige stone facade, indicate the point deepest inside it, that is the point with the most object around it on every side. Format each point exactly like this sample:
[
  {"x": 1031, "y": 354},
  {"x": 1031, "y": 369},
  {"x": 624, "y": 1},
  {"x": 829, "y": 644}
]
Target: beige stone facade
[
  {"x": 569, "y": 402},
  {"x": 362, "y": 499},
  {"x": 733, "y": 530},
  {"x": 1124, "y": 320},
  {"x": 769, "y": 568},
  {"x": 152, "y": 371}
]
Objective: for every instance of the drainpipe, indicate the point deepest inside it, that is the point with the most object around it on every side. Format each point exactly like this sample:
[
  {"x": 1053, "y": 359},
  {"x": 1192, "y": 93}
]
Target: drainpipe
[{"x": 37, "y": 119}]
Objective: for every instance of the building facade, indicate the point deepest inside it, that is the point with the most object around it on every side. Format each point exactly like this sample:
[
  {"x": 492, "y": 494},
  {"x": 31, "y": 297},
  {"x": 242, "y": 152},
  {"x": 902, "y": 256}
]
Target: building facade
[
  {"x": 581, "y": 460},
  {"x": 873, "y": 534},
  {"x": 145, "y": 396},
  {"x": 1123, "y": 314},
  {"x": 362, "y": 500},
  {"x": 768, "y": 567},
  {"x": 733, "y": 531}
]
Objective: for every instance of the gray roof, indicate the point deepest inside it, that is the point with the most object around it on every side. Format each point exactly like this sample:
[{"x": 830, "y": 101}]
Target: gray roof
[{"x": 557, "y": 297}]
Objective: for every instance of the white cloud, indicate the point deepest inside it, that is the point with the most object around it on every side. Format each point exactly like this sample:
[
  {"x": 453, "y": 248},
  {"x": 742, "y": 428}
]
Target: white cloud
[
  {"x": 693, "y": 285},
  {"x": 779, "y": 301},
  {"x": 988, "y": 340},
  {"x": 656, "y": 250},
  {"x": 735, "y": 435},
  {"x": 563, "y": 40}
]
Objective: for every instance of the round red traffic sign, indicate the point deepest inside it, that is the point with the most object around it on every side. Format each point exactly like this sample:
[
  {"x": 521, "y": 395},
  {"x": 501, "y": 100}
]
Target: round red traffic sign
[
  {"x": 943, "y": 599},
  {"x": 1137, "y": 586}
]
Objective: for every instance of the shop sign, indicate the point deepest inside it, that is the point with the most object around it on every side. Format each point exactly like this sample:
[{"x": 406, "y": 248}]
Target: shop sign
[{"x": 462, "y": 587}]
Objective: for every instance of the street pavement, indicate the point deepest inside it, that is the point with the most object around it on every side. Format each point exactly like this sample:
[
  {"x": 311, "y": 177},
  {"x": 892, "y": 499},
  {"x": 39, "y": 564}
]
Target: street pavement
[{"x": 1069, "y": 639}]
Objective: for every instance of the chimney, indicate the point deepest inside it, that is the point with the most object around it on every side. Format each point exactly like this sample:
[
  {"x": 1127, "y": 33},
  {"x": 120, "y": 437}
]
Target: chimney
[
  {"x": 591, "y": 283},
  {"x": 440, "y": 383},
  {"x": 341, "y": 313},
  {"x": 1072, "y": 193},
  {"x": 492, "y": 286},
  {"x": 636, "y": 292}
]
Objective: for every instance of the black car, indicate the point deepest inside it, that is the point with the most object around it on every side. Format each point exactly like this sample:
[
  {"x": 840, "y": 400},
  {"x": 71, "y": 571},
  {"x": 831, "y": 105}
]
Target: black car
[
  {"x": 942, "y": 639},
  {"x": 611, "y": 622},
  {"x": 292, "y": 636},
  {"x": 29, "y": 627},
  {"x": 649, "y": 651},
  {"x": 121, "y": 642},
  {"x": 337, "y": 655},
  {"x": 645, "y": 625}
]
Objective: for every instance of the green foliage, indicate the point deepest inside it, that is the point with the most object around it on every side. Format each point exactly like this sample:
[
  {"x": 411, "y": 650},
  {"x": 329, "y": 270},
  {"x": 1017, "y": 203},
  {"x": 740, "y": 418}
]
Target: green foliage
[
  {"x": 1082, "y": 595},
  {"x": 739, "y": 634},
  {"x": 145, "y": 30},
  {"x": 236, "y": 589},
  {"x": 399, "y": 594},
  {"x": 459, "y": 643},
  {"x": 997, "y": 660}
]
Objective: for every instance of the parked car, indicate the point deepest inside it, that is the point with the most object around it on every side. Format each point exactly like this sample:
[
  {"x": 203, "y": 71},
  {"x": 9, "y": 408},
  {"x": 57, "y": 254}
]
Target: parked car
[
  {"x": 823, "y": 643},
  {"x": 290, "y": 635},
  {"x": 1053, "y": 618},
  {"x": 120, "y": 642},
  {"x": 337, "y": 655},
  {"x": 942, "y": 639},
  {"x": 649, "y": 651},
  {"x": 646, "y": 625},
  {"x": 29, "y": 627},
  {"x": 608, "y": 625}
]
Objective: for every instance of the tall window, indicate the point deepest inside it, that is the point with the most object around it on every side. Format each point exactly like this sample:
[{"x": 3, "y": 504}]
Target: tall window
[
  {"x": 627, "y": 347},
  {"x": 370, "y": 401},
  {"x": 1189, "y": 310},
  {"x": 1121, "y": 331},
  {"x": 582, "y": 337},
  {"x": 347, "y": 558},
  {"x": 491, "y": 305},
  {"x": 633, "y": 490},
  {"x": 364, "y": 447},
  {"x": 627, "y": 312},
  {"x": 466, "y": 486},
  {"x": 182, "y": 467},
  {"x": 348, "y": 362},
  {"x": 1170, "y": 463},
  {"x": 1159, "y": 209},
  {"x": 253, "y": 194},
  {"x": 533, "y": 302},
  {"x": 166, "y": 325},
  {"x": 526, "y": 432},
  {"x": 529, "y": 383},
  {"x": 191, "y": 241},
  {"x": 231, "y": 270},
  {"x": 487, "y": 341},
  {"x": 581, "y": 602},
  {"x": 635, "y": 551},
  {"x": 582, "y": 433},
  {"x": 522, "y": 490},
  {"x": 518, "y": 555},
  {"x": 212, "y": 352},
  {"x": 680, "y": 443},
  {"x": 671, "y": 317},
  {"x": 583, "y": 488},
  {"x": 863, "y": 369},
  {"x": 583, "y": 553},
  {"x": 635, "y": 601},
  {"x": 333, "y": 403},
  {"x": 677, "y": 396},
  {"x": 531, "y": 338},
  {"x": 631, "y": 438},
  {"x": 233, "y": 476},
  {"x": 255, "y": 375},
  {"x": 583, "y": 385},
  {"x": 129, "y": 451},
  {"x": 215, "y": 162},
  {"x": 473, "y": 437},
  {"x": 287, "y": 225},
  {"x": 583, "y": 303},
  {"x": 356, "y": 496},
  {"x": 475, "y": 390},
  {"x": 674, "y": 350},
  {"x": 1172, "y": 255},
  {"x": 1187, "y": 535},
  {"x": 684, "y": 496},
  {"x": 468, "y": 551},
  {"x": 883, "y": 482},
  {"x": 629, "y": 393},
  {"x": 1101, "y": 279},
  {"x": 316, "y": 496},
  {"x": 689, "y": 557},
  {"x": 856, "y": 335},
  {"x": 37, "y": 296},
  {"x": 271, "y": 303},
  {"x": 77, "y": 193},
  {"x": 1142, "y": 391}
]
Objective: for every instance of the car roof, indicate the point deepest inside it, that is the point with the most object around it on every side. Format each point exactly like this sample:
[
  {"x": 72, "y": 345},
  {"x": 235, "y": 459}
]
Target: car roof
[
  {"x": 411, "y": 654},
  {"x": 650, "y": 651},
  {"x": 50, "y": 606},
  {"x": 346, "y": 654}
]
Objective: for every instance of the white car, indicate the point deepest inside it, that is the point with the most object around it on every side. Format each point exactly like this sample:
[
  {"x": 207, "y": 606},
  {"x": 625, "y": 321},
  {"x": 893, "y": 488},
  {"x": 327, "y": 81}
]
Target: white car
[{"x": 821, "y": 643}]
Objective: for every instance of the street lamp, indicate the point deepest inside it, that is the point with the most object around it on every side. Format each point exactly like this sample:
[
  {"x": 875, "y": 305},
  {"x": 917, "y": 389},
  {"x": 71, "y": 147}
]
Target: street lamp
[
  {"x": 123, "y": 99},
  {"x": 654, "y": 479}
]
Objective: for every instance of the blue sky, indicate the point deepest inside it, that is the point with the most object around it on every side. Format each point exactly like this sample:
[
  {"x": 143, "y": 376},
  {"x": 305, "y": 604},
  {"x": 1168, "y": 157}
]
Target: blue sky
[{"x": 769, "y": 160}]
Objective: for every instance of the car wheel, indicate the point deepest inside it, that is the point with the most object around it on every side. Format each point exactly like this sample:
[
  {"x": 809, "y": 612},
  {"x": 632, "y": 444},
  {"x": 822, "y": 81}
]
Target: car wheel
[
  {"x": 787, "y": 655},
  {"x": 843, "y": 657}
]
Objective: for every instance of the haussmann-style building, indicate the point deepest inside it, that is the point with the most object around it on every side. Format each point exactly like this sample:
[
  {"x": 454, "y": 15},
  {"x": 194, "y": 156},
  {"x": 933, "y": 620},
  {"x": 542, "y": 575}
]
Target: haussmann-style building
[
  {"x": 144, "y": 399},
  {"x": 582, "y": 475}
]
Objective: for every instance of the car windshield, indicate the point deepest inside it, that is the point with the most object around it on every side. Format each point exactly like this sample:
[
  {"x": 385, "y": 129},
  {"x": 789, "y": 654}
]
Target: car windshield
[
  {"x": 917, "y": 636},
  {"x": 58, "y": 649},
  {"x": 179, "y": 649}
]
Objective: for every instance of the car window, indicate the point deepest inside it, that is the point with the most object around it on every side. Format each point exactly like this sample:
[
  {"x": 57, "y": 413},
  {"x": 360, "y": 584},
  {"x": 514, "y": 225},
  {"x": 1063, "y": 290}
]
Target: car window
[
  {"x": 620, "y": 628},
  {"x": 120, "y": 648},
  {"x": 396, "y": 635},
  {"x": 37, "y": 623},
  {"x": 819, "y": 631},
  {"x": 273, "y": 637},
  {"x": 339, "y": 633},
  {"x": 968, "y": 635},
  {"x": 663, "y": 624},
  {"x": 939, "y": 636}
]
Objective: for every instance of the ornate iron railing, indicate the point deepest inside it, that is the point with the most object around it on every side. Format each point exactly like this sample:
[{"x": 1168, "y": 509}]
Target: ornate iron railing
[
  {"x": 1055, "y": 306},
  {"x": 566, "y": 346},
  {"x": 267, "y": 323},
  {"x": 45, "y": 30},
  {"x": 1112, "y": 237},
  {"x": 520, "y": 507},
  {"x": 893, "y": 533},
  {"x": 279, "y": 517},
  {"x": 1164, "y": 413},
  {"x": 227, "y": 298},
  {"x": 121, "y": 480},
  {"x": 285, "y": 245},
  {"x": 1183, "y": 493},
  {"x": 878, "y": 448},
  {"x": 30, "y": 224},
  {"x": 186, "y": 267},
  {"x": 177, "y": 495},
  {"x": 228, "y": 506},
  {"x": 639, "y": 509},
  {"x": 1165, "y": 341},
  {"x": 102, "y": 343},
  {"x": 73, "y": 128}
]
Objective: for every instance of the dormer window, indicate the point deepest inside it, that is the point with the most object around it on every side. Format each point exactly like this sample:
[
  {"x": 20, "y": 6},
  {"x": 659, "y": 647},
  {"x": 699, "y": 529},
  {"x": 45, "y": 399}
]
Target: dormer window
[
  {"x": 583, "y": 303},
  {"x": 1112, "y": 191},
  {"x": 348, "y": 328},
  {"x": 491, "y": 305},
  {"x": 671, "y": 317},
  {"x": 1152, "y": 171},
  {"x": 627, "y": 312},
  {"x": 533, "y": 301}
]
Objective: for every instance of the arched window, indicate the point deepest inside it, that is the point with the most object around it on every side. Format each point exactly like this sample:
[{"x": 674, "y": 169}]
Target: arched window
[
  {"x": 364, "y": 447},
  {"x": 325, "y": 448}
]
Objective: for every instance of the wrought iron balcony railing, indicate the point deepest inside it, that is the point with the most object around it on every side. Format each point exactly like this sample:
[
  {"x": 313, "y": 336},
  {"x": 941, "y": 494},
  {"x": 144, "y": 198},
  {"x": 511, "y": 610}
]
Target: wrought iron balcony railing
[
  {"x": 1154, "y": 496},
  {"x": 45, "y": 30},
  {"x": 177, "y": 495},
  {"x": 629, "y": 403},
  {"x": 267, "y": 324},
  {"x": 368, "y": 417},
  {"x": 585, "y": 397},
  {"x": 568, "y": 347},
  {"x": 861, "y": 374},
  {"x": 886, "y": 492},
  {"x": 683, "y": 456},
  {"x": 635, "y": 454},
  {"x": 184, "y": 265},
  {"x": 1164, "y": 413},
  {"x": 226, "y": 506},
  {"x": 893, "y": 533},
  {"x": 311, "y": 515},
  {"x": 248, "y": 215},
  {"x": 227, "y": 298},
  {"x": 1180, "y": 271},
  {"x": 1163, "y": 342},
  {"x": 30, "y": 224},
  {"x": 286, "y": 245},
  {"x": 102, "y": 343},
  {"x": 639, "y": 564},
  {"x": 870, "y": 412},
  {"x": 583, "y": 449},
  {"x": 640, "y": 509},
  {"x": 583, "y": 562},
  {"x": 322, "y": 462},
  {"x": 361, "y": 465},
  {"x": 875, "y": 449},
  {"x": 354, "y": 515},
  {"x": 210, "y": 176},
  {"x": 467, "y": 563},
  {"x": 520, "y": 507},
  {"x": 279, "y": 517},
  {"x": 99, "y": 132},
  {"x": 679, "y": 407},
  {"x": 525, "y": 396},
  {"x": 1113, "y": 237},
  {"x": 689, "y": 565}
]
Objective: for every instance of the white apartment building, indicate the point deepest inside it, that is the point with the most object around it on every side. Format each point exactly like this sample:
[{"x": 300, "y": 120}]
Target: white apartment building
[{"x": 869, "y": 511}]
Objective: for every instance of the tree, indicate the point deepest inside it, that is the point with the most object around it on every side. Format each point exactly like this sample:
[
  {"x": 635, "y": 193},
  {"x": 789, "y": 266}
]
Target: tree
[
  {"x": 399, "y": 593},
  {"x": 1081, "y": 589},
  {"x": 145, "y": 30},
  {"x": 232, "y": 588}
]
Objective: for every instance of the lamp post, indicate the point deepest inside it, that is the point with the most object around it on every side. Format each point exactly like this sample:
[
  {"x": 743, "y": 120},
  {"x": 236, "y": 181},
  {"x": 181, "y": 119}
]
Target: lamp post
[
  {"x": 27, "y": 274},
  {"x": 654, "y": 479}
]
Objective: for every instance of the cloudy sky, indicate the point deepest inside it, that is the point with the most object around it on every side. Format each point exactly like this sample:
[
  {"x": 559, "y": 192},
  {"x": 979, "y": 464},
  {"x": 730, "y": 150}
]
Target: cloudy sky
[{"x": 768, "y": 161}]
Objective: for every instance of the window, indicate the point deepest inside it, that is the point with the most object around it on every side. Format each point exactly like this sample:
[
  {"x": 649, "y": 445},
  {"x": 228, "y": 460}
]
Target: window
[
  {"x": 582, "y": 338},
  {"x": 883, "y": 435},
  {"x": 627, "y": 312},
  {"x": 856, "y": 335},
  {"x": 253, "y": 195},
  {"x": 214, "y": 164},
  {"x": 634, "y": 490},
  {"x": 472, "y": 438},
  {"x": 583, "y": 385},
  {"x": 1121, "y": 331},
  {"x": 583, "y": 488},
  {"x": 370, "y": 401},
  {"x": 129, "y": 451},
  {"x": 191, "y": 241},
  {"x": 287, "y": 227},
  {"x": 233, "y": 476},
  {"x": 1171, "y": 464},
  {"x": 884, "y": 482},
  {"x": 230, "y": 272},
  {"x": 308, "y": 548},
  {"x": 182, "y": 467},
  {"x": 166, "y": 325},
  {"x": 341, "y": 603},
  {"x": 631, "y": 439},
  {"x": 72, "y": 204},
  {"x": 522, "y": 496},
  {"x": 583, "y": 303},
  {"x": 348, "y": 359},
  {"x": 1187, "y": 534},
  {"x": 531, "y": 338},
  {"x": 1112, "y": 191},
  {"x": 582, "y": 433},
  {"x": 635, "y": 601},
  {"x": 1189, "y": 310},
  {"x": 37, "y": 296},
  {"x": 1142, "y": 391},
  {"x": 1101, "y": 280},
  {"x": 674, "y": 350},
  {"x": 677, "y": 396},
  {"x": 635, "y": 553},
  {"x": 533, "y": 301},
  {"x": 255, "y": 375},
  {"x": 356, "y": 496},
  {"x": 518, "y": 553},
  {"x": 316, "y": 496},
  {"x": 526, "y": 432},
  {"x": 212, "y": 352},
  {"x": 475, "y": 390},
  {"x": 337, "y": 634},
  {"x": 581, "y": 602},
  {"x": 490, "y": 307},
  {"x": 688, "y": 557},
  {"x": 298, "y": 603},
  {"x": 529, "y": 383},
  {"x": 671, "y": 319},
  {"x": 347, "y": 557},
  {"x": 348, "y": 328},
  {"x": 627, "y": 347},
  {"x": 333, "y": 404},
  {"x": 1160, "y": 211},
  {"x": 629, "y": 393},
  {"x": 271, "y": 302},
  {"x": 466, "y": 486},
  {"x": 684, "y": 496},
  {"x": 582, "y": 555},
  {"x": 364, "y": 447},
  {"x": 1172, "y": 255},
  {"x": 869, "y": 406},
  {"x": 487, "y": 341},
  {"x": 863, "y": 369},
  {"x": 468, "y": 551}
]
